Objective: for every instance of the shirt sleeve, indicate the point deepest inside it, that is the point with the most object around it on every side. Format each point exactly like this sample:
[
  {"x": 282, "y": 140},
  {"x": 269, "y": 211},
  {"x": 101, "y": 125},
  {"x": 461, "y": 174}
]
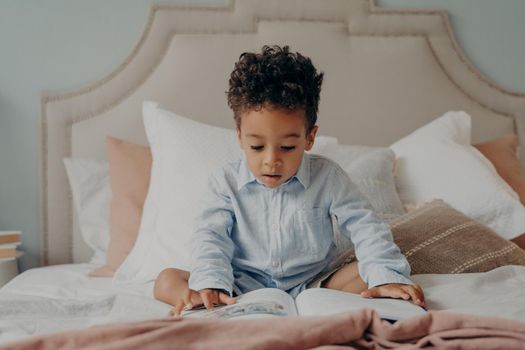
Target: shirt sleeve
[
  {"x": 380, "y": 260},
  {"x": 212, "y": 247}
]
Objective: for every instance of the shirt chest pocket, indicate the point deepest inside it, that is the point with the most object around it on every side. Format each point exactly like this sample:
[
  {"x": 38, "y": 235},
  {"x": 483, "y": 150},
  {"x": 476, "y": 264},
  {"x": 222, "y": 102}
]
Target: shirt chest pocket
[{"x": 310, "y": 232}]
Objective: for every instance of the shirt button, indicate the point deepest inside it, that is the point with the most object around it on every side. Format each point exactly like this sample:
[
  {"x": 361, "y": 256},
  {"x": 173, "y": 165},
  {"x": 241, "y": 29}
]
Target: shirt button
[{"x": 275, "y": 263}]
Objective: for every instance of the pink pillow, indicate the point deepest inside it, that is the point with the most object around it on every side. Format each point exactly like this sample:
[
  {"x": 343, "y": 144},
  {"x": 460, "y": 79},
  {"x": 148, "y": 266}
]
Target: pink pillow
[
  {"x": 502, "y": 153},
  {"x": 129, "y": 171}
]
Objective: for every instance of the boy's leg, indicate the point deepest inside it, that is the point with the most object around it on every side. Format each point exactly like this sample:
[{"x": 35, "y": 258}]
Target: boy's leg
[
  {"x": 171, "y": 286},
  {"x": 346, "y": 279}
]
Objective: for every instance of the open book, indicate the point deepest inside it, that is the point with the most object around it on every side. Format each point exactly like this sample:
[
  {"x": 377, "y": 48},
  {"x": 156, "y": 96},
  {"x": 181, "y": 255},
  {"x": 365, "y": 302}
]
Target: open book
[{"x": 271, "y": 302}]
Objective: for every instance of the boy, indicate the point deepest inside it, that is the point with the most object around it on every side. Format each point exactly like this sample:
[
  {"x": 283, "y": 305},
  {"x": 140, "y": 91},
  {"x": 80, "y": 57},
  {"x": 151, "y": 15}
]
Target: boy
[{"x": 266, "y": 221}]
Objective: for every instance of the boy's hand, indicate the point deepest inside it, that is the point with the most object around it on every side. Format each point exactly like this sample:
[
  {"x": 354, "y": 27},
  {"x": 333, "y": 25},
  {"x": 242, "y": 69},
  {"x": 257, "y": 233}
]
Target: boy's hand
[
  {"x": 187, "y": 299},
  {"x": 211, "y": 297},
  {"x": 398, "y": 291}
]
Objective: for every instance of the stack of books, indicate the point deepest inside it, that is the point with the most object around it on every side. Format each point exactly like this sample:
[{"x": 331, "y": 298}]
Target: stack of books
[{"x": 9, "y": 242}]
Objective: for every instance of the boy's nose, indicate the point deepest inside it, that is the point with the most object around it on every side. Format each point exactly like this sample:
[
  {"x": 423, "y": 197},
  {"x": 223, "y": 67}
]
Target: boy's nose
[{"x": 272, "y": 160}]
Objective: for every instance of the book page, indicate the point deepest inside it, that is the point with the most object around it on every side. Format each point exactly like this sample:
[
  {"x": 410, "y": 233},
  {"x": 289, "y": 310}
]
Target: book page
[
  {"x": 261, "y": 303},
  {"x": 323, "y": 301}
]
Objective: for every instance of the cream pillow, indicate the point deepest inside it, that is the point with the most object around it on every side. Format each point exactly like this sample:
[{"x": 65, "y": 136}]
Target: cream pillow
[
  {"x": 184, "y": 153},
  {"x": 371, "y": 169},
  {"x": 437, "y": 161}
]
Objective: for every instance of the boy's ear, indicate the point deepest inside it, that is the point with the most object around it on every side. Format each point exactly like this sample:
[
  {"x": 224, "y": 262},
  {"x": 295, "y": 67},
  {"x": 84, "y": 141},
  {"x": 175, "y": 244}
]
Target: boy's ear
[{"x": 310, "y": 138}]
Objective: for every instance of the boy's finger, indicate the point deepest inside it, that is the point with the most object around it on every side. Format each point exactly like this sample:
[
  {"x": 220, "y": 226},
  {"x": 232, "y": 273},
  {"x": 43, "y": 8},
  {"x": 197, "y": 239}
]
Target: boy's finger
[
  {"x": 226, "y": 299},
  {"x": 413, "y": 295},
  {"x": 188, "y": 305},
  {"x": 206, "y": 300},
  {"x": 420, "y": 293},
  {"x": 378, "y": 292},
  {"x": 177, "y": 309},
  {"x": 417, "y": 296},
  {"x": 195, "y": 298},
  {"x": 370, "y": 293},
  {"x": 398, "y": 292},
  {"x": 216, "y": 298},
  {"x": 403, "y": 294}
]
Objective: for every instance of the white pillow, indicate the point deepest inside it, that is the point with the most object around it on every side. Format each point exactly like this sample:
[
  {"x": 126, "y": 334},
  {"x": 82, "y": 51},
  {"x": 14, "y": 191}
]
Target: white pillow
[
  {"x": 90, "y": 186},
  {"x": 184, "y": 153},
  {"x": 438, "y": 161}
]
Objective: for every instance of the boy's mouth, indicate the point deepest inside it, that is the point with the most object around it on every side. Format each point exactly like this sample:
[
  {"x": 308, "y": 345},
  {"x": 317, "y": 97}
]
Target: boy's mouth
[{"x": 271, "y": 177}]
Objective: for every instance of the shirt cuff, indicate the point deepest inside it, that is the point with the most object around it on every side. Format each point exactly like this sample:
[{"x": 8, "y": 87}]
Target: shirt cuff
[
  {"x": 380, "y": 275},
  {"x": 210, "y": 284}
]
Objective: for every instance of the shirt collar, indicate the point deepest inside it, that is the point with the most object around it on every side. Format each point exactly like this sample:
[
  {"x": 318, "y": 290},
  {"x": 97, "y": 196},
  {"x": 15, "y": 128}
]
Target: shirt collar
[
  {"x": 303, "y": 174},
  {"x": 246, "y": 176}
]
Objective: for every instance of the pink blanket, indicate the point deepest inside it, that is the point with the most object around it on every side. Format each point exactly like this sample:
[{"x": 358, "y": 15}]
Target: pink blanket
[{"x": 357, "y": 330}]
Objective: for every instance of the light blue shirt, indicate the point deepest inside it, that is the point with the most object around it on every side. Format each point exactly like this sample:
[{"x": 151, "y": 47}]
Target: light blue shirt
[{"x": 249, "y": 236}]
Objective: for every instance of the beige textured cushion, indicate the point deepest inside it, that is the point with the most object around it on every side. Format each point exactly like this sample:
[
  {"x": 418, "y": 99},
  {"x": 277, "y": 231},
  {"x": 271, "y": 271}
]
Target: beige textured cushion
[
  {"x": 129, "y": 170},
  {"x": 502, "y": 153},
  {"x": 436, "y": 238}
]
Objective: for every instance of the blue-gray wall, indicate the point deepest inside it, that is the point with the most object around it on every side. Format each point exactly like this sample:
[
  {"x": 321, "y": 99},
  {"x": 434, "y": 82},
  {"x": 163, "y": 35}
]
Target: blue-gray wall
[
  {"x": 491, "y": 33},
  {"x": 55, "y": 45}
]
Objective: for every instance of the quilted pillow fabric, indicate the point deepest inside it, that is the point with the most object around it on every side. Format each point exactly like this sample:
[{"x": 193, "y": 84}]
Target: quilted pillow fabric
[{"x": 436, "y": 238}]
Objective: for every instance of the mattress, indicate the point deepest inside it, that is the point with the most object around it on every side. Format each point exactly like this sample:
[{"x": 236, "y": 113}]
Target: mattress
[{"x": 59, "y": 298}]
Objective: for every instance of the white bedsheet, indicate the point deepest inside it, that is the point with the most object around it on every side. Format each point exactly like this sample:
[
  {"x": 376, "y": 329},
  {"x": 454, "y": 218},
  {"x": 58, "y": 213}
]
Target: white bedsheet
[
  {"x": 58, "y": 298},
  {"x": 497, "y": 293},
  {"x": 63, "y": 297}
]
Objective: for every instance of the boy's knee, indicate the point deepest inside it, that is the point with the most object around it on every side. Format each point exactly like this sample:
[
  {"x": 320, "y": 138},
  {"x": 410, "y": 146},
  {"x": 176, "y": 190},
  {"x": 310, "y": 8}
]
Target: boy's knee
[
  {"x": 164, "y": 275},
  {"x": 160, "y": 283},
  {"x": 167, "y": 279},
  {"x": 346, "y": 279}
]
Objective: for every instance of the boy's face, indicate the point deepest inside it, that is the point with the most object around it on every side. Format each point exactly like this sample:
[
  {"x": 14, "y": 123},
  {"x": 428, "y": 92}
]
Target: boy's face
[{"x": 274, "y": 141}]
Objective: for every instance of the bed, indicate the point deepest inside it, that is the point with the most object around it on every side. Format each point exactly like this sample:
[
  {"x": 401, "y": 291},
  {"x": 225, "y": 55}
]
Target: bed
[{"x": 387, "y": 74}]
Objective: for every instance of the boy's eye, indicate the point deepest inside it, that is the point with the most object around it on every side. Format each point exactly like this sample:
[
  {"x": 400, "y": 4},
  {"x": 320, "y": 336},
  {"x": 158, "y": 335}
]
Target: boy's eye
[
  {"x": 256, "y": 148},
  {"x": 287, "y": 148}
]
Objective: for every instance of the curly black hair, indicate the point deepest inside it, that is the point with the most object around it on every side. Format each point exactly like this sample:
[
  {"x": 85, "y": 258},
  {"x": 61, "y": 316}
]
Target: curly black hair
[{"x": 275, "y": 78}]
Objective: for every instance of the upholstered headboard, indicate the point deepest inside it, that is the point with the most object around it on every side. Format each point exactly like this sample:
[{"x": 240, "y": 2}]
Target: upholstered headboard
[{"x": 387, "y": 72}]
